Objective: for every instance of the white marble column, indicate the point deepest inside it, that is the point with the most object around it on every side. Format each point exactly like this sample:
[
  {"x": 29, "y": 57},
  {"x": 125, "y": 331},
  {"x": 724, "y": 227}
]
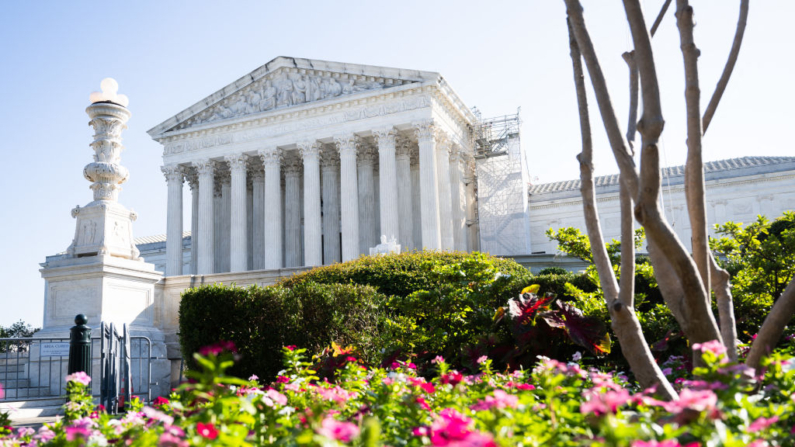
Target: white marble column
[
  {"x": 429, "y": 185},
  {"x": 258, "y": 218},
  {"x": 218, "y": 223},
  {"x": 249, "y": 221},
  {"x": 388, "y": 183},
  {"x": 349, "y": 203},
  {"x": 226, "y": 218},
  {"x": 238, "y": 256},
  {"x": 313, "y": 227},
  {"x": 205, "y": 243},
  {"x": 193, "y": 182},
  {"x": 473, "y": 243},
  {"x": 416, "y": 211},
  {"x": 457, "y": 198},
  {"x": 174, "y": 178},
  {"x": 292, "y": 211},
  {"x": 330, "y": 170},
  {"x": 368, "y": 235},
  {"x": 404, "y": 210},
  {"x": 443, "y": 177},
  {"x": 271, "y": 158}
]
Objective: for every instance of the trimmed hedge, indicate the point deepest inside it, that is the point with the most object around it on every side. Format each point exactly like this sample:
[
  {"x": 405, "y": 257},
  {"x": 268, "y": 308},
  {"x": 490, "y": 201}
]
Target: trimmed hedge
[
  {"x": 397, "y": 275},
  {"x": 261, "y": 320}
]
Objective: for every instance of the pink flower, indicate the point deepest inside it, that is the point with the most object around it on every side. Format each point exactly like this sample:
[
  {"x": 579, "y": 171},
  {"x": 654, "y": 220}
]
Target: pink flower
[
  {"x": 290, "y": 347},
  {"x": 761, "y": 424},
  {"x": 601, "y": 404},
  {"x": 411, "y": 365},
  {"x": 699, "y": 400},
  {"x": 667, "y": 371},
  {"x": 282, "y": 379},
  {"x": 277, "y": 397},
  {"x": 155, "y": 415},
  {"x": 423, "y": 403},
  {"x": 420, "y": 431},
  {"x": 653, "y": 443},
  {"x": 79, "y": 377},
  {"x": 341, "y": 431},
  {"x": 758, "y": 443},
  {"x": 160, "y": 400},
  {"x": 336, "y": 394},
  {"x": 218, "y": 348},
  {"x": 452, "y": 429},
  {"x": 169, "y": 440},
  {"x": 296, "y": 387},
  {"x": 254, "y": 377},
  {"x": 77, "y": 432},
  {"x": 525, "y": 386},
  {"x": 713, "y": 346},
  {"x": 2, "y": 393},
  {"x": 438, "y": 359},
  {"x": 501, "y": 399},
  {"x": 482, "y": 359}
]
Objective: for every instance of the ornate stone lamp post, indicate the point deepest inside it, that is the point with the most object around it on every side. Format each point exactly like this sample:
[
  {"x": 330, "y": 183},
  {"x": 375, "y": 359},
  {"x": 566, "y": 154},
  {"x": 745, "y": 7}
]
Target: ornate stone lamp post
[
  {"x": 104, "y": 227},
  {"x": 101, "y": 274}
]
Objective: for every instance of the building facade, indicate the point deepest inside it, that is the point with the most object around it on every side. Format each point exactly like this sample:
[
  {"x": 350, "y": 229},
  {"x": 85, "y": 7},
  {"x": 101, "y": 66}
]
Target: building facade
[{"x": 305, "y": 163}]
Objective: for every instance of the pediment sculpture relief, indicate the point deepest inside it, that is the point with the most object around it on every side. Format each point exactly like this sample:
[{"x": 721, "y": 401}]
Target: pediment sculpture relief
[{"x": 284, "y": 90}]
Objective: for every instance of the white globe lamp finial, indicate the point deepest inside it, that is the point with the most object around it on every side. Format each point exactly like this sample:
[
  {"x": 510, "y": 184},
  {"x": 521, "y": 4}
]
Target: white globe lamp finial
[{"x": 109, "y": 93}]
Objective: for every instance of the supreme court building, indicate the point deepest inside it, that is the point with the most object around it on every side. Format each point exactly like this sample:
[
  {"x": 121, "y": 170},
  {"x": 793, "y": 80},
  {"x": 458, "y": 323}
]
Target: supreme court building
[{"x": 305, "y": 163}]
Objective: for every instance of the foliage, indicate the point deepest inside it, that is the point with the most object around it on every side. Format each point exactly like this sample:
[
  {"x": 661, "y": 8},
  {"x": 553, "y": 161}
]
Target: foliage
[
  {"x": 552, "y": 271},
  {"x": 402, "y": 274},
  {"x": 260, "y": 320},
  {"x": 20, "y": 329},
  {"x": 761, "y": 259},
  {"x": 555, "y": 403}
]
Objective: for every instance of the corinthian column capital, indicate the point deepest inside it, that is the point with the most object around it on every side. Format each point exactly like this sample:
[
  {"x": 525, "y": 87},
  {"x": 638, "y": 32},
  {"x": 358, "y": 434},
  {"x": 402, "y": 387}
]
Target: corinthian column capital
[
  {"x": 310, "y": 149},
  {"x": 173, "y": 173},
  {"x": 347, "y": 143},
  {"x": 237, "y": 162},
  {"x": 385, "y": 136},
  {"x": 271, "y": 156},
  {"x": 205, "y": 167},
  {"x": 424, "y": 130}
]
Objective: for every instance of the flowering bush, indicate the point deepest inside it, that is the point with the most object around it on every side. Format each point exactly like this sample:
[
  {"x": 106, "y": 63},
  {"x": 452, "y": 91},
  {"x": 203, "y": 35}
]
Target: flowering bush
[{"x": 555, "y": 403}]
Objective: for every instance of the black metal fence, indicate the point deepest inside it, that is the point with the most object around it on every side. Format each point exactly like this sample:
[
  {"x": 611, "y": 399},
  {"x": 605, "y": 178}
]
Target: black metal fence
[{"x": 35, "y": 368}]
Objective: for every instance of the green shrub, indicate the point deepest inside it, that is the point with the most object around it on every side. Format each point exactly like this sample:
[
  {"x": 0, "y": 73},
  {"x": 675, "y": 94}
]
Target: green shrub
[
  {"x": 261, "y": 320},
  {"x": 553, "y": 271},
  {"x": 397, "y": 275}
]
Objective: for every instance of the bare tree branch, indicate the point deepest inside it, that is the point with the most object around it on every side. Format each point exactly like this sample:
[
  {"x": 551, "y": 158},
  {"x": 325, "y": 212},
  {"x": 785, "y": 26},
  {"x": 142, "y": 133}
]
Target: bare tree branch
[
  {"x": 701, "y": 325},
  {"x": 728, "y": 325},
  {"x": 626, "y": 293},
  {"x": 694, "y": 168},
  {"x": 629, "y": 58},
  {"x": 771, "y": 330},
  {"x": 660, "y": 17},
  {"x": 622, "y": 315},
  {"x": 727, "y": 70}
]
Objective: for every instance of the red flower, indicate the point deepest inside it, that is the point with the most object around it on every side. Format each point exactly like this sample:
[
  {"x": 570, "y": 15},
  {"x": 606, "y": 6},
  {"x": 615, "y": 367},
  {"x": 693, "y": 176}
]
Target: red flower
[
  {"x": 291, "y": 347},
  {"x": 207, "y": 431},
  {"x": 218, "y": 348},
  {"x": 160, "y": 400},
  {"x": 453, "y": 378}
]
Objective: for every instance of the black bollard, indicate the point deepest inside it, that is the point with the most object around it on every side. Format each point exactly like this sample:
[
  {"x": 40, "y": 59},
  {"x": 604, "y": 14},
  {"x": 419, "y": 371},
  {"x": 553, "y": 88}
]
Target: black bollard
[{"x": 80, "y": 346}]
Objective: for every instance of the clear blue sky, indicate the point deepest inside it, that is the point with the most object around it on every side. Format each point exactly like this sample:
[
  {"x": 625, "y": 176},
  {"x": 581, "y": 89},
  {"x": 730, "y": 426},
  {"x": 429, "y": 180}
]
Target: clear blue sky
[{"x": 498, "y": 55}]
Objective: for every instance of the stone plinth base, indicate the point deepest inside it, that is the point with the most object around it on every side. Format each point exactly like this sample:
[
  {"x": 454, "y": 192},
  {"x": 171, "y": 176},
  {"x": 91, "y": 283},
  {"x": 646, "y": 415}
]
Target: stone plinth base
[{"x": 109, "y": 289}]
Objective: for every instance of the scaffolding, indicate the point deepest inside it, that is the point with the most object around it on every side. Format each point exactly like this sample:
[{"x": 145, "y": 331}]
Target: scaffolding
[{"x": 492, "y": 134}]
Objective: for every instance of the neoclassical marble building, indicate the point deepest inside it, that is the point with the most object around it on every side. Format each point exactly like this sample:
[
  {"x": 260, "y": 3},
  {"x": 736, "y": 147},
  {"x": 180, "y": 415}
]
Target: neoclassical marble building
[{"x": 305, "y": 162}]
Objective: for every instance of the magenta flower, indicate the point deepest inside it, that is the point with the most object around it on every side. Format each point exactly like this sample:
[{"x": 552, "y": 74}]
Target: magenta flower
[
  {"x": 341, "y": 431},
  {"x": 453, "y": 378},
  {"x": 601, "y": 404},
  {"x": 452, "y": 429},
  {"x": 218, "y": 348},
  {"x": 74, "y": 432},
  {"x": 666, "y": 443},
  {"x": 282, "y": 379},
  {"x": 207, "y": 431},
  {"x": 761, "y": 424},
  {"x": 79, "y": 377},
  {"x": 2, "y": 393},
  {"x": 500, "y": 399}
]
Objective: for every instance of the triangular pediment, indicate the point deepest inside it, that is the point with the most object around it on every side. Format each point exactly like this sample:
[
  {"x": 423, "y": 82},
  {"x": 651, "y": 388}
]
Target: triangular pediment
[{"x": 288, "y": 82}]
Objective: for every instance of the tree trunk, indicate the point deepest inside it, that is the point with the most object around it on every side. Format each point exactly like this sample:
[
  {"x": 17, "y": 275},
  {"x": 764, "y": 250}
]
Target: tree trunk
[{"x": 778, "y": 318}]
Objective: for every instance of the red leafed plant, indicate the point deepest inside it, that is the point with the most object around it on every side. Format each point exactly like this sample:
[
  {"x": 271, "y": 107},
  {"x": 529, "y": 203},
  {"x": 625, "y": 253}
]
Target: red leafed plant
[{"x": 533, "y": 320}]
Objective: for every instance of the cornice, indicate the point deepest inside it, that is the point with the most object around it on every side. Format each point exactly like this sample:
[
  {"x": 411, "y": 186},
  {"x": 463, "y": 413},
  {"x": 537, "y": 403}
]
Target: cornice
[{"x": 711, "y": 185}]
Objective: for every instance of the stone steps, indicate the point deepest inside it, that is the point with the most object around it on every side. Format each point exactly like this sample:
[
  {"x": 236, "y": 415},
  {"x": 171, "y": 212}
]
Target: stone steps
[{"x": 30, "y": 409}]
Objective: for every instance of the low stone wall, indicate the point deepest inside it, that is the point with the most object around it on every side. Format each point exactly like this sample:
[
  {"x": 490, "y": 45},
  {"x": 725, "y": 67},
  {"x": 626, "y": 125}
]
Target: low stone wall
[{"x": 168, "y": 293}]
